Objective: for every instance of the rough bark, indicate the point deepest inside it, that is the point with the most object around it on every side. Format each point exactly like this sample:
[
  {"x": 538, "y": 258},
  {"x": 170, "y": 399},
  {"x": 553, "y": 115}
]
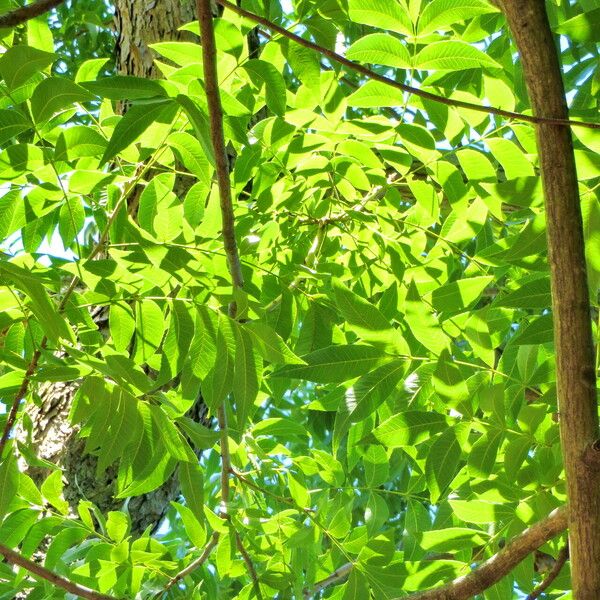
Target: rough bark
[
  {"x": 575, "y": 370},
  {"x": 139, "y": 23}
]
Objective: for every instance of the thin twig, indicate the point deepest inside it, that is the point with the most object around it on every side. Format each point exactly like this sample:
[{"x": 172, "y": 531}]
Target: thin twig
[
  {"x": 561, "y": 559},
  {"x": 396, "y": 84},
  {"x": 225, "y": 461},
  {"x": 15, "y": 558},
  {"x": 215, "y": 112},
  {"x": 249, "y": 565},
  {"x": 336, "y": 577},
  {"x": 26, "y": 13},
  {"x": 195, "y": 564},
  {"x": 21, "y": 392}
]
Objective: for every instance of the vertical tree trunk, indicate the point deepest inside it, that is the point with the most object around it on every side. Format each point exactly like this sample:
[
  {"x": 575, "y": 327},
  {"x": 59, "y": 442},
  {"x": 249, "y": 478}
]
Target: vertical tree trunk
[
  {"x": 575, "y": 369},
  {"x": 139, "y": 23}
]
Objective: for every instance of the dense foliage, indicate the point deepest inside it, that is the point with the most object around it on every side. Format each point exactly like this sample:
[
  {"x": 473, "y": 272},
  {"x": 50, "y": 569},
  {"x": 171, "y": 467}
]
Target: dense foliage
[{"x": 389, "y": 374}]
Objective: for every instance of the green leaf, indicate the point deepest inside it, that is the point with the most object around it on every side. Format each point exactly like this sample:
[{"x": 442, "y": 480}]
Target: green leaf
[
  {"x": 181, "y": 53},
  {"x": 481, "y": 511},
  {"x": 459, "y": 295},
  {"x": 199, "y": 122},
  {"x": 532, "y": 294},
  {"x": 9, "y": 483},
  {"x": 409, "y": 428},
  {"x": 423, "y": 324},
  {"x": 443, "y": 459},
  {"x": 357, "y": 310},
  {"x": 192, "y": 524},
  {"x": 381, "y": 49},
  {"x": 12, "y": 123},
  {"x": 117, "y": 525},
  {"x": 55, "y": 94},
  {"x": 52, "y": 323},
  {"x": 357, "y": 587},
  {"x": 452, "y": 539},
  {"x": 202, "y": 437},
  {"x": 275, "y": 88},
  {"x": 219, "y": 381},
  {"x": 539, "y": 331},
  {"x": 372, "y": 389},
  {"x": 374, "y": 94},
  {"x": 71, "y": 219},
  {"x": 582, "y": 28},
  {"x": 448, "y": 380},
  {"x": 482, "y": 456},
  {"x": 125, "y": 87},
  {"x": 177, "y": 342},
  {"x": 279, "y": 427},
  {"x": 192, "y": 155},
  {"x": 192, "y": 487},
  {"x": 381, "y": 13},
  {"x": 515, "y": 453},
  {"x": 174, "y": 442},
  {"x": 439, "y": 14},
  {"x": 334, "y": 364},
  {"x": 246, "y": 376},
  {"x": 52, "y": 490},
  {"x": 79, "y": 141},
  {"x": 452, "y": 56},
  {"x": 20, "y": 63},
  {"x": 270, "y": 345},
  {"x": 135, "y": 121},
  {"x": 122, "y": 325}
]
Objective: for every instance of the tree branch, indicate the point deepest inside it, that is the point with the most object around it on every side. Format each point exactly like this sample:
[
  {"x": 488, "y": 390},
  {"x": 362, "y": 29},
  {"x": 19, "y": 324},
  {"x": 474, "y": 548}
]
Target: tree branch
[
  {"x": 249, "y": 565},
  {"x": 215, "y": 112},
  {"x": 561, "y": 559},
  {"x": 495, "y": 568},
  {"x": 21, "y": 393},
  {"x": 396, "y": 84},
  {"x": 25, "y": 13},
  {"x": 336, "y": 577},
  {"x": 195, "y": 564},
  {"x": 14, "y": 558}
]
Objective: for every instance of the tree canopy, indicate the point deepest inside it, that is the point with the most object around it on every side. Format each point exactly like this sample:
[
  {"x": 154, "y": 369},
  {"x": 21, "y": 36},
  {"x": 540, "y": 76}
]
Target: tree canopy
[{"x": 336, "y": 240}]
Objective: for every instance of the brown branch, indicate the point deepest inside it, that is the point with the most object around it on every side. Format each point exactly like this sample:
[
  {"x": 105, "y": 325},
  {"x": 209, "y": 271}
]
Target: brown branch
[
  {"x": 25, "y": 13},
  {"x": 575, "y": 359},
  {"x": 495, "y": 568},
  {"x": 195, "y": 564},
  {"x": 225, "y": 461},
  {"x": 396, "y": 84},
  {"x": 249, "y": 565},
  {"x": 336, "y": 577},
  {"x": 21, "y": 392},
  {"x": 14, "y": 558},
  {"x": 215, "y": 113},
  {"x": 561, "y": 559}
]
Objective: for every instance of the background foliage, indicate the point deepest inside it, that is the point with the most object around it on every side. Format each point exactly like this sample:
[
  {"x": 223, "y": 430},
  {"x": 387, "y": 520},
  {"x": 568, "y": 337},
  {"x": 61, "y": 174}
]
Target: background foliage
[{"x": 389, "y": 378}]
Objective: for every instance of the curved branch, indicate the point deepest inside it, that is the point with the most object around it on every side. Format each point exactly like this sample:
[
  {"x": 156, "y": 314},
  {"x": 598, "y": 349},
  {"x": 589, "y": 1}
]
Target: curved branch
[
  {"x": 495, "y": 568},
  {"x": 24, "y": 14},
  {"x": 561, "y": 559},
  {"x": 14, "y": 558},
  {"x": 215, "y": 113},
  {"x": 392, "y": 83}
]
